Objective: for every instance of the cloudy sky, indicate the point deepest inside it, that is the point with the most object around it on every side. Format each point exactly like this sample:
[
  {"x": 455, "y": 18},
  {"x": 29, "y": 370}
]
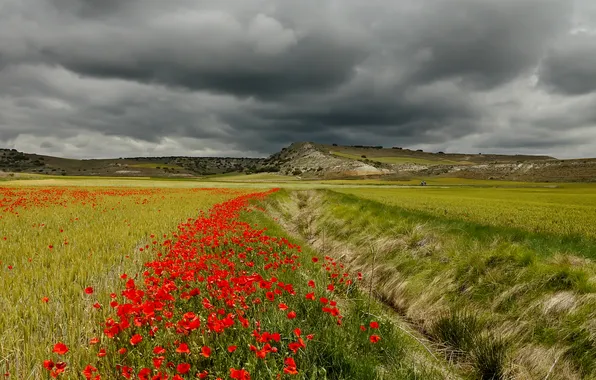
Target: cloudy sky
[{"x": 91, "y": 78}]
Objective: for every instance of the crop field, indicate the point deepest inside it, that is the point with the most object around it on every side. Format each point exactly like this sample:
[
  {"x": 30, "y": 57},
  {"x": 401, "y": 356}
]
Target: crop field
[
  {"x": 564, "y": 211},
  {"x": 502, "y": 279},
  {"x": 177, "y": 283}
]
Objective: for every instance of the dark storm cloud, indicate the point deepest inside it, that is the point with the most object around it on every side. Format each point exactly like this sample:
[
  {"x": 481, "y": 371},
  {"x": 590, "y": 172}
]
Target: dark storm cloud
[
  {"x": 570, "y": 66},
  {"x": 84, "y": 77},
  {"x": 485, "y": 42}
]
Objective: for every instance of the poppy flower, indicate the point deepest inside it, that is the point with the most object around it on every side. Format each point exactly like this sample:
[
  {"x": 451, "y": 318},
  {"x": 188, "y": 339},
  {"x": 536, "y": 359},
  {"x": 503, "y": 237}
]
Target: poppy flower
[
  {"x": 206, "y": 351},
  {"x": 45, "y": 299},
  {"x": 89, "y": 290},
  {"x": 232, "y": 348},
  {"x": 239, "y": 374},
  {"x": 183, "y": 368},
  {"x": 60, "y": 348},
  {"x": 291, "y": 315},
  {"x": 374, "y": 325},
  {"x": 136, "y": 339},
  {"x": 159, "y": 350},
  {"x": 183, "y": 349},
  {"x": 290, "y": 367},
  {"x": 374, "y": 338}
]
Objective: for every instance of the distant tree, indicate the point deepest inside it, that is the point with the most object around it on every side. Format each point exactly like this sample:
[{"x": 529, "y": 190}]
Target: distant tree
[
  {"x": 334, "y": 144},
  {"x": 363, "y": 156}
]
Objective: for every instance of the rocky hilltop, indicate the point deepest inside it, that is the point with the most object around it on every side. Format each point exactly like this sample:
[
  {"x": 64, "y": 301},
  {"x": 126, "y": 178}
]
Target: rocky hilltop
[{"x": 309, "y": 160}]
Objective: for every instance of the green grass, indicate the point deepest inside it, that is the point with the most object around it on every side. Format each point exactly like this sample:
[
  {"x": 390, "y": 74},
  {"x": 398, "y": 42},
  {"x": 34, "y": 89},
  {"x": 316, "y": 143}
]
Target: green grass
[
  {"x": 563, "y": 211},
  {"x": 399, "y": 160},
  {"x": 503, "y": 298},
  {"x": 401, "y": 357}
]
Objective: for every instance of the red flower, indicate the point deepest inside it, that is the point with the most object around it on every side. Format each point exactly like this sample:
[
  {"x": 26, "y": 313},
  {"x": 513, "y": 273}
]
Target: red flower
[
  {"x": 122, "y": 351},
  {"x": 88, "y": 371},
  {"x": 232, "y": 348},
  {"x": 206, "y": 351},
  {"x": 374, "y": 338},
  {"x": 239, "y": 374},
  {"x": 45, "y": 299},
  {"x": 159, "y": 350},
  {"x": 283, "y": 306},
  {"x": 183, "y": 368},
  {"x": 291, "y": 315},
  {"x": 60, "y": 348},
  {"x": 183, "y": 349},
  {"x": 290, "y": 367},
  {"x": 374, "y": 325},
  {"x": 102, "y": 352},
  {"x": 89, "y": 290},
  {"x": 48, "y": 364},
  {"x": 310, "y": 296},
  {"x": 136, "y": 339}
]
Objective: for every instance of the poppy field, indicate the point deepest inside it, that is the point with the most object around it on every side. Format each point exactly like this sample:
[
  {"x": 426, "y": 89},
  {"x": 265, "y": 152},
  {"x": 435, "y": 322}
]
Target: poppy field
[{"x": 108, "y": 283}]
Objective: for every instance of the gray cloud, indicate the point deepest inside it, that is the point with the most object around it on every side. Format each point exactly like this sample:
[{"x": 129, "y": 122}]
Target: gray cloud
[
  {"x": 570, "y": 66},
  {"x": 88, "y": 78}
]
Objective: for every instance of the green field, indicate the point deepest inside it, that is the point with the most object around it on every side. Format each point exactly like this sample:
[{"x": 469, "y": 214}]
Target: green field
[
  {"x": 470, "y": 279},
  {"x": 400, "y": 160},
  {"x": 566, "y": 211}
]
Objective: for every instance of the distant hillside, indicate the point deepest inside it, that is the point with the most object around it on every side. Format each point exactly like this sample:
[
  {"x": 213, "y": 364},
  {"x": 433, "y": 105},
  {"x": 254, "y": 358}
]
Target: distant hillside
[
  {"x": 309, "y": 160},
  {"x": 14, "y": 161}
]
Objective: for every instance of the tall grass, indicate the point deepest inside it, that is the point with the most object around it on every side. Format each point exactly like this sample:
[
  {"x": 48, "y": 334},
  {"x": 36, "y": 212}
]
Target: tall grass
[{"x": 495, "y": 296}]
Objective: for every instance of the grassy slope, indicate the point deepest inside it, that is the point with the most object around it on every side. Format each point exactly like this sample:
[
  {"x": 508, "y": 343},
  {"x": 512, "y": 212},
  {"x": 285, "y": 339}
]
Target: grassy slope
[
  {"x": 398, "y": 160},
  {"x": 508, "y": 301},
  {"x": 400, "y": 356}
]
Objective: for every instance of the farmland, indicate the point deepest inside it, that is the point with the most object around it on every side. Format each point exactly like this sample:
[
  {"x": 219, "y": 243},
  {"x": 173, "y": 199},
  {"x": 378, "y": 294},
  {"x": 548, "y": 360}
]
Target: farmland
[
  {"x": 502, "y": 279},
  {"x": 123, "y": 282},
  {"x": 567, "y": 210},
  {"x": 136, "y": 278}
]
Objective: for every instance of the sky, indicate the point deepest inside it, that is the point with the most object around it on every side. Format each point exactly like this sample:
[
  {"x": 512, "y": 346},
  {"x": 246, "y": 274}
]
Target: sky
[{"x": 114, "y": 78}]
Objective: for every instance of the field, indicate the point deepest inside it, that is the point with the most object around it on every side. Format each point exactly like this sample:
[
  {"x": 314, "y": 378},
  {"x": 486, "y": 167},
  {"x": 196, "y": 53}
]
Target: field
[
  {"x": 399, "y": 160},
  {"x": 124, "y": 282},
  {"x": 225, "y": 278},
  {"x": 503, "y": 279},
  {"x": 563, "y": 211}
]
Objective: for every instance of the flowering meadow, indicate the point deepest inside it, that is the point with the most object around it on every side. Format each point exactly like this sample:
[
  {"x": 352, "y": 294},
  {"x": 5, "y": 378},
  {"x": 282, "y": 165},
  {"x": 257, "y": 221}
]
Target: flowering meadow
[{"x": 148, "y": 284}]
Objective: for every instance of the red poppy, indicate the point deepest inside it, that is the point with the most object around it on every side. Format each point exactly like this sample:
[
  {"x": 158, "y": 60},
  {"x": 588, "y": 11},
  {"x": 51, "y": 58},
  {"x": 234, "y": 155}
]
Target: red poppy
[
  {"x": 206, "y": 351},
  {"x": 183, "y": 349},
  {"x": 374, "y": 325},
  {"x": 183, "y": 368},
  {"x": 291, "y": 315},
  {"x": 60, "y": 348},
  {"x": 136, "y": 339},
  {"x": 232, "y": 348},
  {"x": 374, "y": 338},
  {"x": 290, "y": 367},
  {"x": 89, "y": 290}
]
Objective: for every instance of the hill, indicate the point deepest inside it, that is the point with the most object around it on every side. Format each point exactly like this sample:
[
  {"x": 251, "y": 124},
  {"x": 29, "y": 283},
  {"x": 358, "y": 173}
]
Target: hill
[{"x": 308, "y": 160}]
